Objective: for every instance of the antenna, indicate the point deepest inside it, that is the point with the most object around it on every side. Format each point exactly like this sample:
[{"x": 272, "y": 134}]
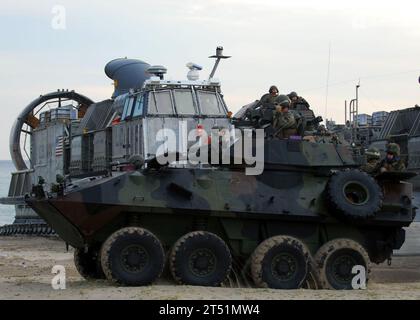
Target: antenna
[
  {"x": 345, "y": 112},
  {"x": 219, "y": 56},
  {"x": 328, "y": 81},
  {"x": 354, "y": 113}
]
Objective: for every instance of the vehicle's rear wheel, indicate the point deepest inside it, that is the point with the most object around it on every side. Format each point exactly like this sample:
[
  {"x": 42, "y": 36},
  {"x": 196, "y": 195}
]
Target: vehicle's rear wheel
[
  {"x": 88, "y": 263},
  {"x": 334, "y": 263},
  {"x": 280, "y": 262},
  {"x": 132, "y": 257},
  {"x": 200, "y": 258}
]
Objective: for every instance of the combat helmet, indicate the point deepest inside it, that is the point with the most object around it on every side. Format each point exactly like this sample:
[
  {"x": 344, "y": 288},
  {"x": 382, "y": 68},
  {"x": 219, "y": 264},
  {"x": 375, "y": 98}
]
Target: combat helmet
[
  {"x": 292, "y": 95},
  {"x": 373, "y": 153},
  {"x": 283, "y": 101},
  {"x": 273, "y": 88},
  {"x": 394, "y": 149}
]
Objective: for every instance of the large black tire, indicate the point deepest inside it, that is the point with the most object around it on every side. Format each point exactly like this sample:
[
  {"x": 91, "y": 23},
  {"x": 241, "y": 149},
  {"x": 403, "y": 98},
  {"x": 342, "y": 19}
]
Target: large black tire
[
  {"x": 335, "y": 260},
  {"x": 281, "y": 262},
  {"x": 201, "y": 259},
  {"x": 132, "y": 257},
  {"x": 88, "y": 264},
  {"x": 354, "y": 195}
]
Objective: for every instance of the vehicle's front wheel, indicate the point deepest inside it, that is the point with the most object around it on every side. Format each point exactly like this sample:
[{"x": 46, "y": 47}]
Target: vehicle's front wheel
[
  {"x": 88, "y": 263},
  {"x": 133, "y": 257}
]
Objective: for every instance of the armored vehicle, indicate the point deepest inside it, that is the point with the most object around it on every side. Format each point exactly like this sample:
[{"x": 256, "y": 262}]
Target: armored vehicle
[{"x": 308, "y": 212}]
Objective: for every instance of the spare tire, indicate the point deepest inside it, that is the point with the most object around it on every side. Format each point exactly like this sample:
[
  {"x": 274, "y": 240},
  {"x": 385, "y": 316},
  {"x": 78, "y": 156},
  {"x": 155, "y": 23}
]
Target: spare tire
[{"x": 354, "y": 195}]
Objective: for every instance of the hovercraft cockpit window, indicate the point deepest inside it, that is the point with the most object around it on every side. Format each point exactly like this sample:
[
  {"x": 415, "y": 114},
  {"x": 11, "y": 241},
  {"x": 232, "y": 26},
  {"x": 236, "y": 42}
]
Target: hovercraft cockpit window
[
  {"x": 128, "y": 108},
  {"x": 160, "y": 102},
  {"x": 138, "y": 107},
  {"x": 210, "y": 104},
  {"x": 184, "y": 102}
]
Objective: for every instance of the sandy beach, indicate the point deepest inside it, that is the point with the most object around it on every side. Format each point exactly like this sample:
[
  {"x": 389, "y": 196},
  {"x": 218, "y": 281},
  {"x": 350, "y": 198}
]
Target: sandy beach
[{"x": 26, "y": 272}]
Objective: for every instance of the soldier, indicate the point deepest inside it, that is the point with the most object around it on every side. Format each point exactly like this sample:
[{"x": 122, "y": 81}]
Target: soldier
[
  {"x": 392, "y": 161},
  {"x": 298, "y": 103},
  {"x": 284, "y": 123},
  {"x": 373, "y": 162},
  {"x": 322, "y": 130},
  {"x": 270, "y": 97}
]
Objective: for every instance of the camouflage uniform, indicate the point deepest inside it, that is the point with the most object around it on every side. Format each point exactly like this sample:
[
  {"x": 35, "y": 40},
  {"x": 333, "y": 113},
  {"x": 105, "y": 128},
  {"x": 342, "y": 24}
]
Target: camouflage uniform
[
  {"x": 394, "y": 164},
  {"x": 268, "y": 98},
  {"x": 285, "y": 124},
  {"x": 299, "y": 104},
  {"x": 373, "y": 162}
]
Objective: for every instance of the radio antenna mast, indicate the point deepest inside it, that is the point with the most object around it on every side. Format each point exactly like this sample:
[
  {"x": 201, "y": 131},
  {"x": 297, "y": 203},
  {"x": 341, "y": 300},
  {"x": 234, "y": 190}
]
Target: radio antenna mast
[
  {"x": 328, "y": 81},
  {"x": 219, "y": 56}
]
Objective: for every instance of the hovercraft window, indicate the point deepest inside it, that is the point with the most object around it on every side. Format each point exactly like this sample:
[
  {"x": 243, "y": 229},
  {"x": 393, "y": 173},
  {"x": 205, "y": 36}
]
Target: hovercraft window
[
  {"x": 184, "y": 102},
  {"x": 138, "y": 108},
  {"x": 128, "y": 108},
  {"x": 209, "y": 104},
  {"x": 160, "y": 103}
]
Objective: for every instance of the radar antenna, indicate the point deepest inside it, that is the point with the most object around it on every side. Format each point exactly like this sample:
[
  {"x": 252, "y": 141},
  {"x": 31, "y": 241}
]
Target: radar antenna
[{"x": 219, "y": 56}]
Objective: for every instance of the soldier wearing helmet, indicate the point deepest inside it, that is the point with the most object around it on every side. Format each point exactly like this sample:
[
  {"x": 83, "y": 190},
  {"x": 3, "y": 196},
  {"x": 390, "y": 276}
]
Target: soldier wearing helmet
[
  {"x": 285, "y": 122},
  {"x": 271, "y": 97},
  {"x": 373, "y": 161},
  {"x": 298, "y": 103},
  {"x": 392, "y": 161}
]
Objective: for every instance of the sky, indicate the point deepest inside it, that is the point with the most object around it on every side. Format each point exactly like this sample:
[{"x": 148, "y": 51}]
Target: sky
[{"x": 298, "y": 45}]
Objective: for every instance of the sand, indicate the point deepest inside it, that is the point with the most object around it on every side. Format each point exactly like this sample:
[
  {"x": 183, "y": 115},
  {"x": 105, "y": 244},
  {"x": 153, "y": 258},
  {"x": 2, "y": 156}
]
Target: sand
[{"x": 26, "y": 273}]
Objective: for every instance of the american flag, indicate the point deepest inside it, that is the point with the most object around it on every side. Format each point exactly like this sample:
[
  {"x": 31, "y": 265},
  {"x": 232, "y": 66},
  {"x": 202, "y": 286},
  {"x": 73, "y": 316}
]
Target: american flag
[{"x": 59, "y": 146}]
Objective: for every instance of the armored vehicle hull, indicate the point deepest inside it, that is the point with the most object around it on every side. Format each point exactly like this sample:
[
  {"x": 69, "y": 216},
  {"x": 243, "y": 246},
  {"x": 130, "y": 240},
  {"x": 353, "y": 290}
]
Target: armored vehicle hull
[{"x": 280, "y": 226}]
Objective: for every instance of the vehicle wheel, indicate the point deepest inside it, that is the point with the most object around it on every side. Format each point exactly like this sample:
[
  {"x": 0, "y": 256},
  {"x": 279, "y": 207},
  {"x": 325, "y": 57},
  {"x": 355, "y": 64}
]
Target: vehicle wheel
[
  {"x": 88, "y": 264},
  {"x": 354, "y": 195},
  {"x": 200, "y": 258},
  {"x": 335, "y": 260},
  {"x": 280, "y": 262},
  {"x": 132, "y": 257}
]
